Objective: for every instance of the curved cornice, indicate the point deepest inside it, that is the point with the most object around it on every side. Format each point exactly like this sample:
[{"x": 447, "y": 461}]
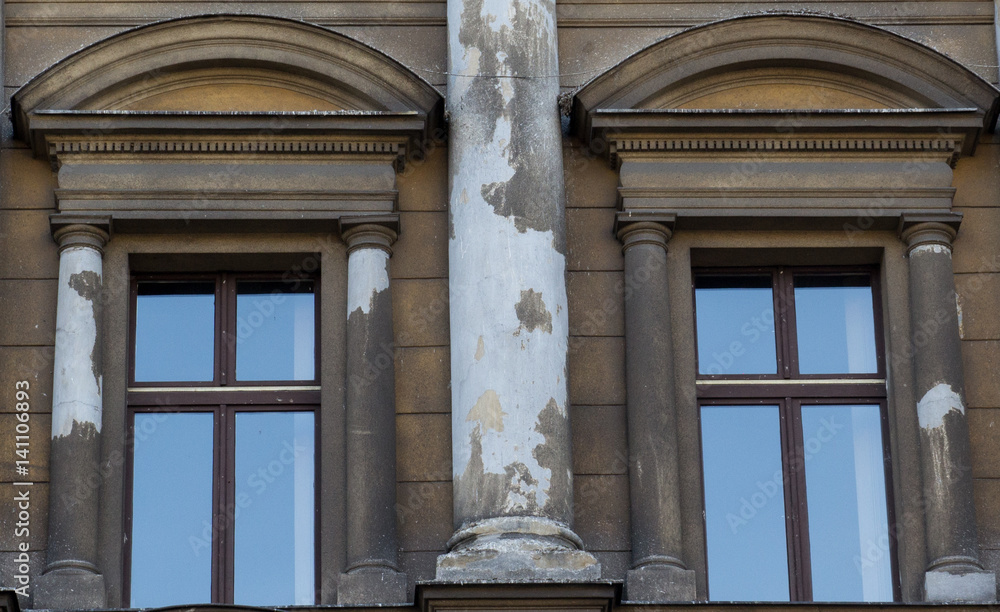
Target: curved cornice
[
  {"x": 922, "y": 76},
  {"x": 367, "y": 78}
]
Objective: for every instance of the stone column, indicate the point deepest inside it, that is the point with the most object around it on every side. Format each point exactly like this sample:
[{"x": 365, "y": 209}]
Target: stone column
[
  {"x": 658, "y": 574},
  {"x": 72, "y": 578},
  {"x": 373, "y": 575},
  {"x": 954, "y": 572},
  {"x": 513, "y": 479}
]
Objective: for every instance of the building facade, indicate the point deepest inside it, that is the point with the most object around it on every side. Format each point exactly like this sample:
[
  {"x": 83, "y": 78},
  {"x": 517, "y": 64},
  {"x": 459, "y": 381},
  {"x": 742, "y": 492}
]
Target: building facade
[{"x": 478, "y": 305}]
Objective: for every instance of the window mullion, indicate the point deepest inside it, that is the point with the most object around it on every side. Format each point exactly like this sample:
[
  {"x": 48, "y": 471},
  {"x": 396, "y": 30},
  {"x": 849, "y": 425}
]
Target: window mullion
[
  {"x": 222, "y": 330},
  {"x": 788, "y": 480},
  {"x": 220, "y": 537},
  {"x": 229, "y": 511},
  {"x": 781, "y": 324},
  {"x": 801, "y": 511}
]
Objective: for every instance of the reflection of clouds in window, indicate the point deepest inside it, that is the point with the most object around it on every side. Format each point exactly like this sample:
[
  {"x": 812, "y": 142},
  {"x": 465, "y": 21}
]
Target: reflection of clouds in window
[
  {"x": 303, "y": 515},
  {"x": 274, "y": 533},
  {"x": 860, "y": 323},
  {"x": 873, "y": 519},
  {"x": 848, "y": 517},
  {"x": 303, "y": 340},
  {"x": 275, "y": 332},
  {"x": 835, "y": 323}
]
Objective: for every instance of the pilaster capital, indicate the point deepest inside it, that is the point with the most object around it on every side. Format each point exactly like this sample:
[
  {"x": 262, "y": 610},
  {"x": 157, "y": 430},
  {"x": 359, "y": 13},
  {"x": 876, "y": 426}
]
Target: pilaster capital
[
  {"x": 370, "y": 232},
  {"x": 644, "y": 227},
  {"x": 92, "y": 232},
  {"x": 929, "y": 230}
]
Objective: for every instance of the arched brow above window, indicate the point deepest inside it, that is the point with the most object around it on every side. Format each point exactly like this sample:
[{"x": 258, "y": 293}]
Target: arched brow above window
[
  {"x": 227, "y": 63},
  {"x": 785, "y": 62}
]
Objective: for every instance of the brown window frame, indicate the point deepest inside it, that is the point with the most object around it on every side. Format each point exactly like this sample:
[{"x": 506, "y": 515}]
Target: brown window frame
[
  {"x": 789, "y": 390},
  {"x": 239, "y": 396}
]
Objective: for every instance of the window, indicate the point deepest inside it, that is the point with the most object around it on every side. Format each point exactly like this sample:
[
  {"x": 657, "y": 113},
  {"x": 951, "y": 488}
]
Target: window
[
  {"x": 222, "y": 414},
  {"x": 791, "y": 387}
]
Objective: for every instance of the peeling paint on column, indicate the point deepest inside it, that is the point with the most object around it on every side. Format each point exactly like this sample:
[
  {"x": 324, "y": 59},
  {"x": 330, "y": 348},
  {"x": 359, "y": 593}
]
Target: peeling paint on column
[
  {"x": 936, "y": 404},
  {"x": 509, "y": 327},
  {"x": 532, "y": 313},
  {"x": 368, "y": 271},
  {"x": 77, "y": 381},
  {"x": 938, "y": 249},
  {"x": 88, "y": 285},
  {"x": 551, "y": 425},
  {"x": 488, "y": 412}
]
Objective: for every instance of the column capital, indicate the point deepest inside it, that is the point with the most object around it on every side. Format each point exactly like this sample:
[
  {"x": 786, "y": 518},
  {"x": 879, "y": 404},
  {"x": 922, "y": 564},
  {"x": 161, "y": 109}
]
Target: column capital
[
  {"x": 935, "y": 229},
  {"x": 644, "y": 227},
  {"x": 370, "y": 232},
  {"x": 93, "y": 232}
]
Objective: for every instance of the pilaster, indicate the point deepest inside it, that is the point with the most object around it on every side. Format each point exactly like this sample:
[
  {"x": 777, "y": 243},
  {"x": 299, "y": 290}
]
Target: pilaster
[
  {"x": 954, "y": 572},
  {"x": 372, "y": 575},
  {"x": 658, "y": 573}
]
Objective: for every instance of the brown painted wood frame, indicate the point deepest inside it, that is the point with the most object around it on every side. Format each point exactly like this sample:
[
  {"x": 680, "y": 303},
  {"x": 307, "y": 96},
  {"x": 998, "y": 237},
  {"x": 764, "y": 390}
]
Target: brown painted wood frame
[
  {"x": 224, "y": 405},
  {"x": 790, "y": 396},
  {"x": 786, "y": 339}
]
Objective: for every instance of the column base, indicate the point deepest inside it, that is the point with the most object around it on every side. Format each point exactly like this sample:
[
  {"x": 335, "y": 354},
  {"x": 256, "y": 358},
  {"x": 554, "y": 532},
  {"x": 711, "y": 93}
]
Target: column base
[
  {"x": 517, "y": 549},
  {"x": 69, "y": 588},
  {"x": 659, "y": 583},
  {"x": 372, "y": 586},
  {"x": 967, "y": 584}
]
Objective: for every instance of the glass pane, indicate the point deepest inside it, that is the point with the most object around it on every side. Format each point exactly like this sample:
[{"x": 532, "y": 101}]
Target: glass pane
[
  {"x": 175, "y": 332},
  {"x": 275, "y": 561},
  {"x": 735, "y": 319},
  {"x": 835, "y": 321},
  {"x": 275, "y": 331},
  {"x": 744, "y": 503},
  {"x": 845, "y": 490},
  {"x": 172, "y": 509}
]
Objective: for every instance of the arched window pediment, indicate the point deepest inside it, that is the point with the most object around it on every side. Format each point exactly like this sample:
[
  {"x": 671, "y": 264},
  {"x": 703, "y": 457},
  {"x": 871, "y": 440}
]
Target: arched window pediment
[
  {"x": 785, "y": 120},
  {"x": 227, "y": 121},
  {"x": 786, "y": 62}
]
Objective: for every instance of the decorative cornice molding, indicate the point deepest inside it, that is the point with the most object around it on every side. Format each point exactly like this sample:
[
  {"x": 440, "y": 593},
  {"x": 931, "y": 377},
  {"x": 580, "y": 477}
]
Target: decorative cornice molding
[
  {"x": 948, "y": 144},
  {"x": 59, "y": 146},
  {"x": 371, "y": 135},
  {"x": 224, "y": 195},
  {"x": 728, "y": 193},
  {"x": 943, "y": 133}
]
